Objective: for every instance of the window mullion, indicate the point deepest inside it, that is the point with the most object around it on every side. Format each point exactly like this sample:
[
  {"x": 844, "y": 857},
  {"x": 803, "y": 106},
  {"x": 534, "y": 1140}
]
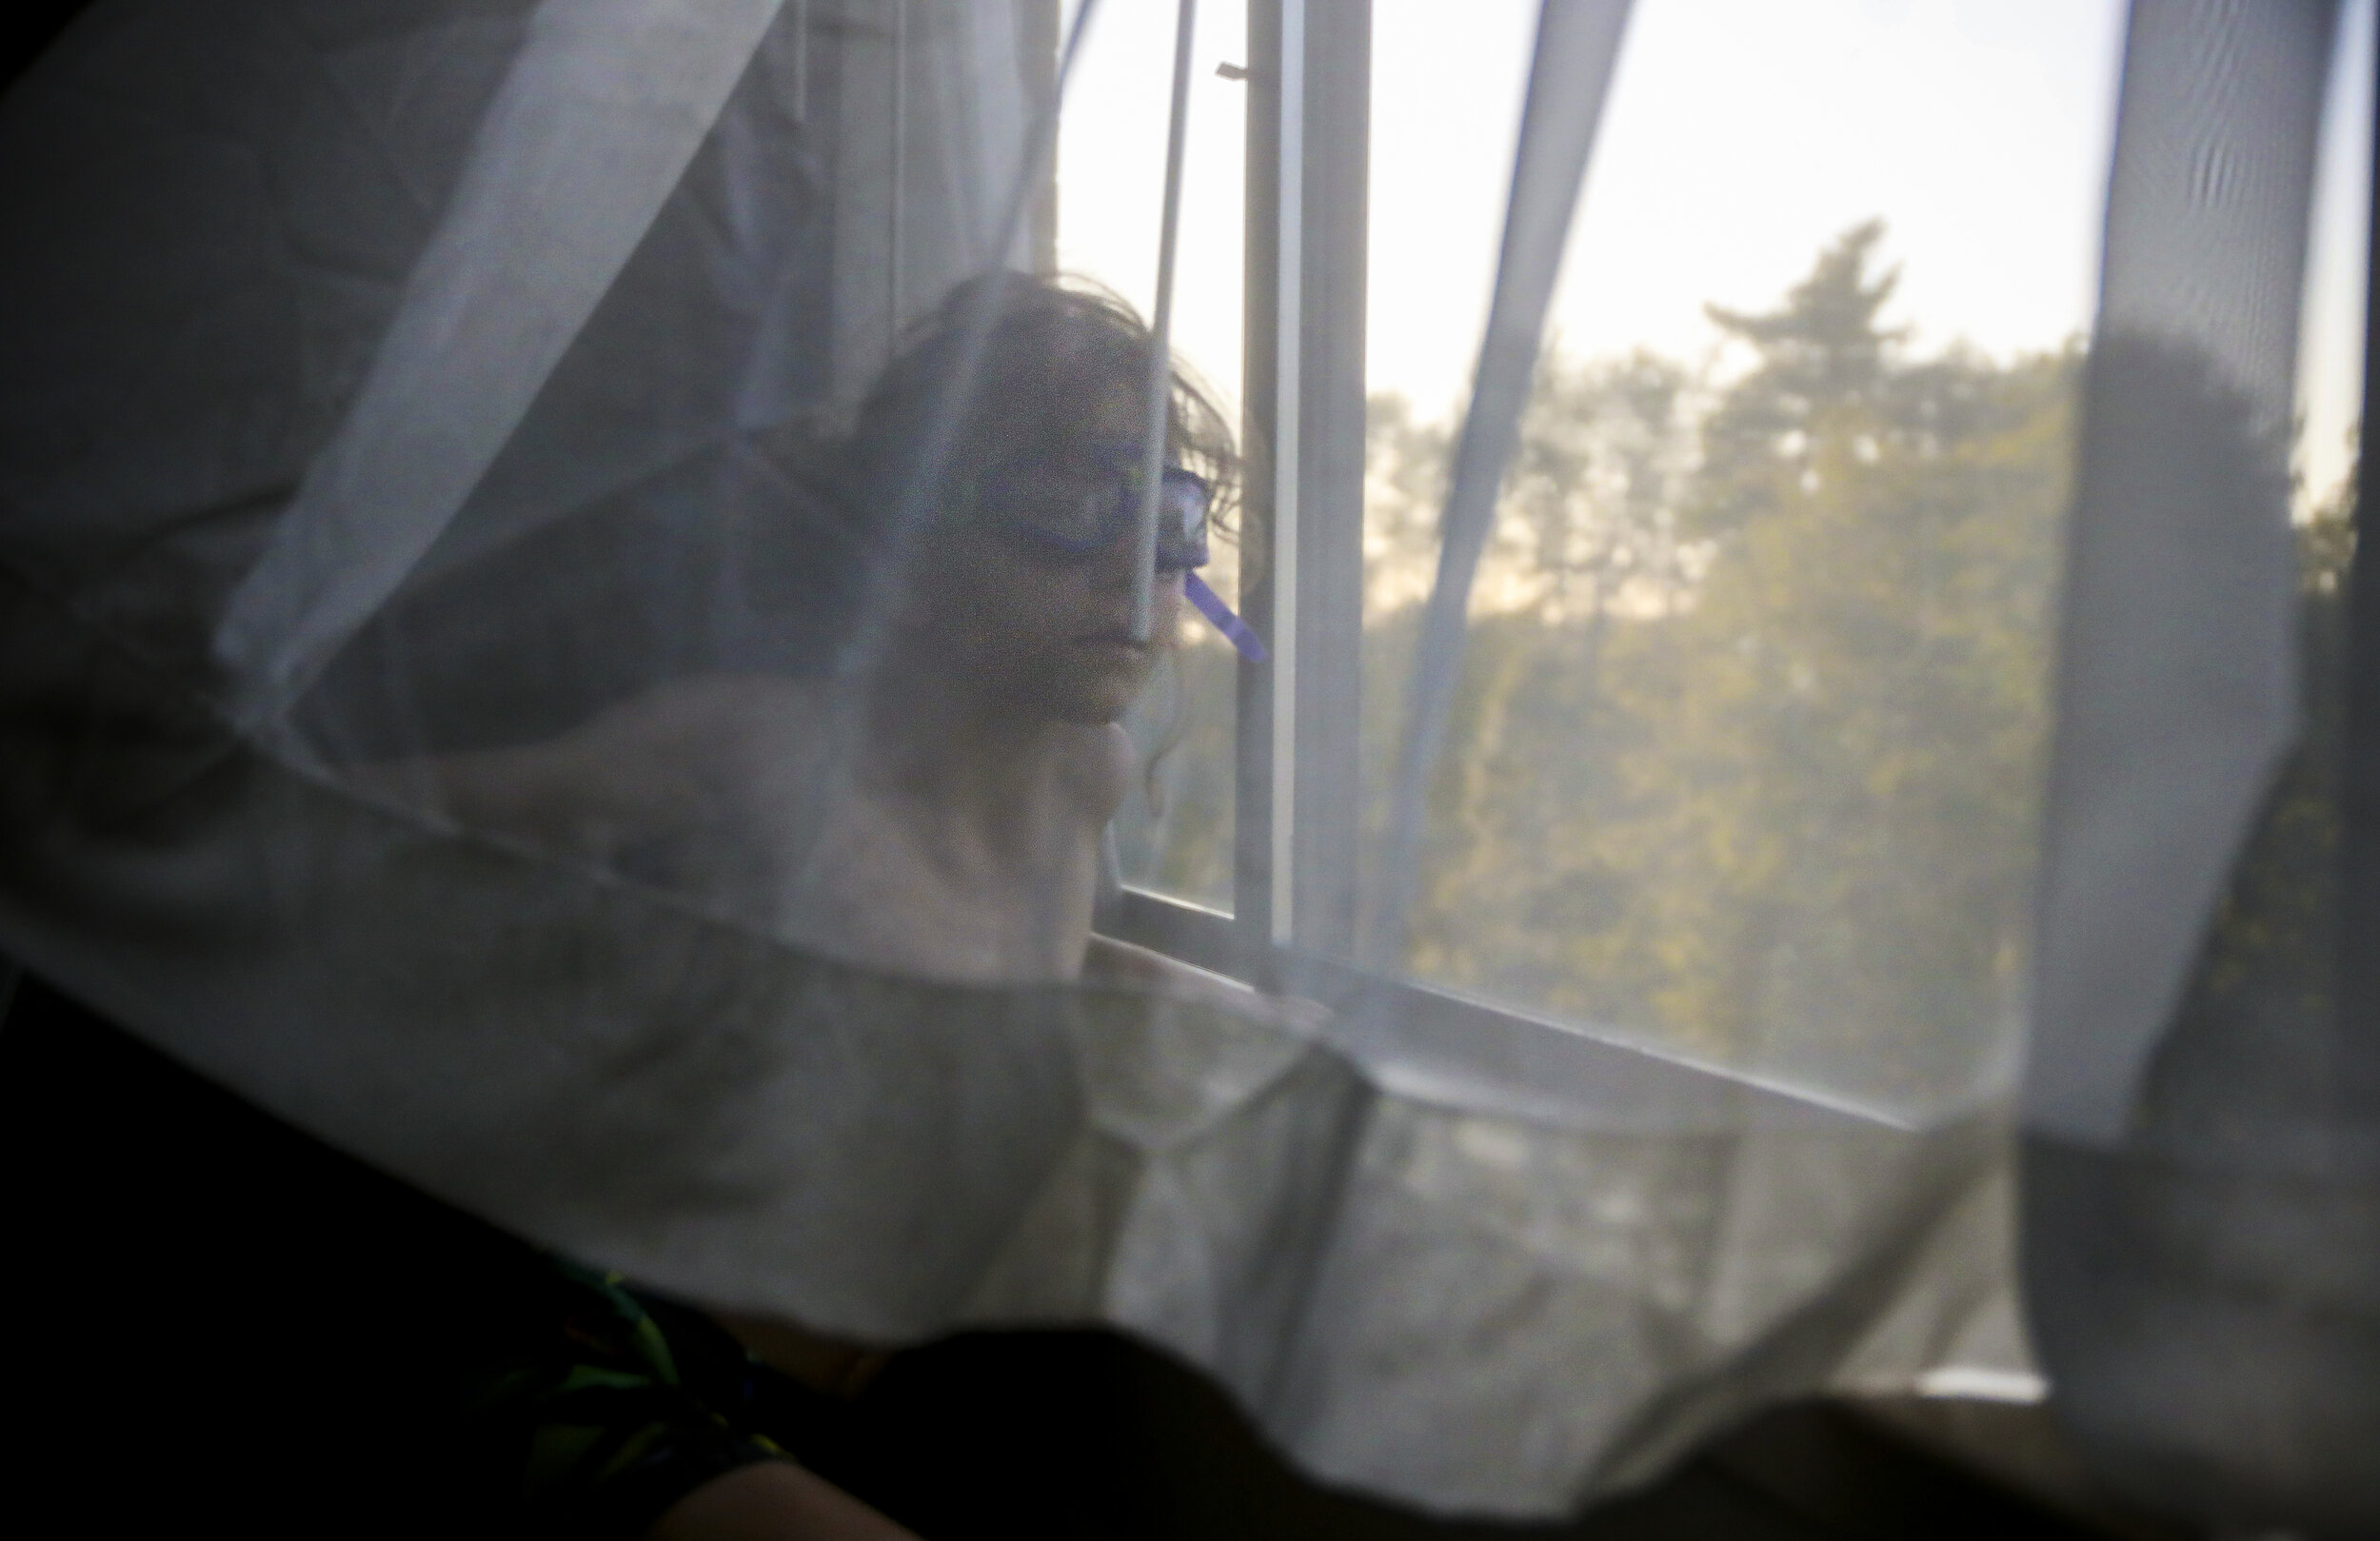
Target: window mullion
[
  {"x": 1308, "y": 160},
  {"x": 1334, "y": 221}
]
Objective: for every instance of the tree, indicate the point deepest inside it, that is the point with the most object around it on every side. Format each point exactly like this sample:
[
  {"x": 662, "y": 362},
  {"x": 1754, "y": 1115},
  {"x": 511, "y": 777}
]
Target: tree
[
  {"x": 1823, "y": 356},
  {"x": 1779, "y": 805}
]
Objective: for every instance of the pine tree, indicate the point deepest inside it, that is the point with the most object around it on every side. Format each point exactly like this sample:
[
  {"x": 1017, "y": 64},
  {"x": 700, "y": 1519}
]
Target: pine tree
[{"x": 1778, "y": 805}]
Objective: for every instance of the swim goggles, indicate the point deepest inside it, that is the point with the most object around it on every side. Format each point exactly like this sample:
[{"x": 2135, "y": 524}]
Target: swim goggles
[{"x": 1073, "y": 513}]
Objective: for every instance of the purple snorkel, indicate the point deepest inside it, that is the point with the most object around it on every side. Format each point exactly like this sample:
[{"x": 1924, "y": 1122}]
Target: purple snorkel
[
  {"x": 1211, "y": 606},
  {"x": 1021, "y": 500}
]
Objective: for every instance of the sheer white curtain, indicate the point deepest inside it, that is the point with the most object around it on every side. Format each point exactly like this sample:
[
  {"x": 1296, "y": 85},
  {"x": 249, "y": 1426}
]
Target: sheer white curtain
[
  {"x": 429, "y": 437},
  {"x": 2200, "y": 1113}
]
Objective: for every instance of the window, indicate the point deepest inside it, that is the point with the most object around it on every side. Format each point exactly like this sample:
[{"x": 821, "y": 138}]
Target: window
[{"x": 1744, "y": 768}]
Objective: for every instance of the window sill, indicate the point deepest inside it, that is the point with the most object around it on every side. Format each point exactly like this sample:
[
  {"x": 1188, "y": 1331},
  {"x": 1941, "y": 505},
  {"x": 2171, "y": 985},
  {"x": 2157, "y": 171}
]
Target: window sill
[{"x": 1435, "y": 1046}]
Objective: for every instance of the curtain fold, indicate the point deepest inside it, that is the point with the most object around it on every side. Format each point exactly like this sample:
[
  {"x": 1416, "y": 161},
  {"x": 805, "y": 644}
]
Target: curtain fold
[
  {"x": 1570, "y": 73},
  {"x": 436, "y": 562},
  {"x": 2202, "y": 1173}
]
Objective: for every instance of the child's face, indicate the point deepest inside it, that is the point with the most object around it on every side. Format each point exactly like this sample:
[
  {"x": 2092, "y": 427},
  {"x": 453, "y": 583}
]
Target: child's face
[{"x": 1046, "y": 633}]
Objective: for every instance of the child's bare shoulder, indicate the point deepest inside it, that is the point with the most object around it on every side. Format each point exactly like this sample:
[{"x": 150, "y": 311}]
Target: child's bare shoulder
[{"x": 1097, "y": 769}]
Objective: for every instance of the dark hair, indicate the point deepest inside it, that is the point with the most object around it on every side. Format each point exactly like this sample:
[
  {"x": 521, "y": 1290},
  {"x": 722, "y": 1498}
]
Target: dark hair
[{"x": 1056, "y": 346}]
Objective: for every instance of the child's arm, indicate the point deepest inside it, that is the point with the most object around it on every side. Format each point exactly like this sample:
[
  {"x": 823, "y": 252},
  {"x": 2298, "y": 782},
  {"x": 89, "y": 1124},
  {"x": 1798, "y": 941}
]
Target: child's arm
[
  {"x": 772, "y": 1501},
  {"x": 641, "y": 769}
]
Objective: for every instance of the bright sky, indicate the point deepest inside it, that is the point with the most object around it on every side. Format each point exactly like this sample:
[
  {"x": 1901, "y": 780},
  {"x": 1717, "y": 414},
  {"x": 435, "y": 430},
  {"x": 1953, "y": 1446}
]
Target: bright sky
[
  {"x": 1740, "y": 137},
  {"x": 2330, "y": 352}
]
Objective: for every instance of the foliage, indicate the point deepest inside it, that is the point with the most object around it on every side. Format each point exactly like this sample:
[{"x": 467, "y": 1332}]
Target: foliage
[
  {"x": 2248, "y": 1072},
  {"x": 1748, "y": 751},
  {"x": 1751, "y": 757}
]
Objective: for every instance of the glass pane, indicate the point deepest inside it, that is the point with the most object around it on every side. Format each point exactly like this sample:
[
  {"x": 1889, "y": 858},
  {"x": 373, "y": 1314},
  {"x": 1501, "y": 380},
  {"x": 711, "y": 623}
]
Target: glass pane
[
  {"x": 1174, "y": 832},
  {"x": 1747, "y": 758}
]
